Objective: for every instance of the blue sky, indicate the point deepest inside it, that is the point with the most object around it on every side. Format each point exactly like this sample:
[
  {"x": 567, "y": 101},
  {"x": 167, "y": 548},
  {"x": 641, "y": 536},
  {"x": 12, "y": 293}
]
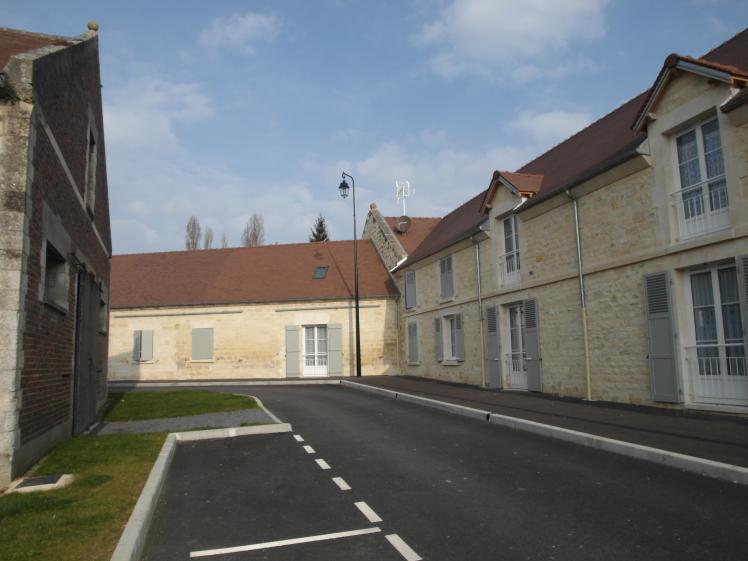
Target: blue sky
[{"x": 221, "y": 109}]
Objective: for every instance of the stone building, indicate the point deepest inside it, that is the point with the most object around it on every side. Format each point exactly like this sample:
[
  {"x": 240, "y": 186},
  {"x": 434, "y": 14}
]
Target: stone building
[
  {"x": 612, "y": 267},
  {"x": 54, "y": 243},
  {"x": 276, "y": 311}
]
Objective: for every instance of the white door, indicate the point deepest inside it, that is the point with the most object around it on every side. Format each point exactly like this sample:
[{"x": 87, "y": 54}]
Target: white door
[
  {"x": 516, "y": 356},
  {"x": 315, "y": 350},
  {"x": 717, "y": 362}
]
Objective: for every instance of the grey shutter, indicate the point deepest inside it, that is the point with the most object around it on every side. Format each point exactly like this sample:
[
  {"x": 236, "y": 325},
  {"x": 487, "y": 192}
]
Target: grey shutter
[
  {"x": 742, "y": 263},
  {"x": 293, "y": 354},
  {"x": 410, "y": 289},
  {"x": 443, "y": 278},
  {"x": 493, "y": 348},
  {"x": 412, "y": 342},
  {"x": 459, "y": 338},
  {"x": 335, "y": 349},
  {"x": 532, "y": 345},
  {"x": 449, "y": 277},
  {"x": 146, "y": 345},
  {"x": 136, "y": 345},
  {"x": 438, "y": 341},
  {"x": 202, "y": 343},
  {"x": 660, "y": 334}
]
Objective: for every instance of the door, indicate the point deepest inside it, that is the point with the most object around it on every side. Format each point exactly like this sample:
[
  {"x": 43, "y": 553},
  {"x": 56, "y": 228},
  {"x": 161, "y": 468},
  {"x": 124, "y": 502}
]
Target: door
[
  {"x": 86, "y": 352},
  {"x": 315, "y": 350},
  {"x": 493, "y": 349},
  {"x": 717, "y": 361},
  {"x": 516, "y": 355}
]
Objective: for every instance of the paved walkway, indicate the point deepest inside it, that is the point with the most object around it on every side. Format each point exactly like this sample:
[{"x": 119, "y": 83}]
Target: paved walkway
[
  {"x": 172, "y": 424},
  {"x": 712, "y": 436}
]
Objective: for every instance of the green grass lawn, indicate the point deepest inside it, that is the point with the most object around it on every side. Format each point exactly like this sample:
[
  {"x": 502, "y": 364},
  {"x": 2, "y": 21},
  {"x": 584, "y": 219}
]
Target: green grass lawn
[
  {"x": 85, "y": 519},
  {"x": 140, "y": 406}
]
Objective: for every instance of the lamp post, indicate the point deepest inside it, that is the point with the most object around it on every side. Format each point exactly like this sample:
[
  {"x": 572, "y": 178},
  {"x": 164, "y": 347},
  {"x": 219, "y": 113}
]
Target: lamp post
[{"x": 344, "y": 187}]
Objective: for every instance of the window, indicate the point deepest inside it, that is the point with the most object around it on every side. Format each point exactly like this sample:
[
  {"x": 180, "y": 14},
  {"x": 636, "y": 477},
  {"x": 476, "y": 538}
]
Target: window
[
  {"x": 142, "y": 345},
  {"x": 453, "y": 344},
  {"x": 446, "y": 278},
  {"x": 90, "y": 189},
  {"x": 315, "y": 350},
  {"x": 103, "y": 314},
  {"x": 56, "y": 278},
  {"x": 202, "y": 343},
  {"x": 320, "y": 273},
  {"x": 413, "y": 342},
  {"x": 516, "y": 356},
  {"x": 410, "y": 289},
  {"x": 510, "y": 268},
  {"x": 701, "y": 203}
]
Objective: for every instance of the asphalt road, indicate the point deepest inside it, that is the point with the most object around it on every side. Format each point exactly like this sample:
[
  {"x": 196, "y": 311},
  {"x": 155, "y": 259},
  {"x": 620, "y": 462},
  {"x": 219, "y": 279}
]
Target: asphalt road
[{"x": 451, "y": 488}]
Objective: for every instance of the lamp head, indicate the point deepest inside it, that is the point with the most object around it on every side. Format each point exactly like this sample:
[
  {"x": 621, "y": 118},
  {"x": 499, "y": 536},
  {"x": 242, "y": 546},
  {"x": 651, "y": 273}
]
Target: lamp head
[{"x": 344, "y": 188}]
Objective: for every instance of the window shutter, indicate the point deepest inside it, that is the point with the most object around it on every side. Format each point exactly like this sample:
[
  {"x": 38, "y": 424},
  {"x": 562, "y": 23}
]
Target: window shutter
[
  {"x": 335, "y": 349},
  {"x": 202, "y": 343},
  {"x": 146, "y": 345},
  {"x": 459, "y": 339},
  {"x": 742, "y": 264},
  {"x": 493, "y": 351},
  {"x": 136, "y": 345},
  {"x": 410, "y": 289},
  {"x": 412, "y": 342},
  {"x": 531, "y": 342},
  {"x": 438, "y": 341},
  {"x": 661, "y": 357},
  {"x": 293, "y": 354},
  {"x": 449, "y": 277},
  {"x": 443, "y": 278}
]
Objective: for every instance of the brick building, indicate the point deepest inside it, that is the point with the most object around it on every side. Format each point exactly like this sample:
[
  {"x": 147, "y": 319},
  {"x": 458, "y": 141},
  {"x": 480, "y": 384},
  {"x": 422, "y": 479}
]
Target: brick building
[
  {"x": 54, "y": 243},
  {"x": 614, "y": 266}
]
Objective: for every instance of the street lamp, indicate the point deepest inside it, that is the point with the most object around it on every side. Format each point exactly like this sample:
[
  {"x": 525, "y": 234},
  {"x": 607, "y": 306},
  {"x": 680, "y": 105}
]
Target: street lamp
[{"x": 344, "y": 188}]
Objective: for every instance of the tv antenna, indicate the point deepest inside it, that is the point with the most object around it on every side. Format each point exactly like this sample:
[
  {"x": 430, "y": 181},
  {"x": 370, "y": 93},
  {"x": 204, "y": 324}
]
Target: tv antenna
[{"x": 403, "y": 191}]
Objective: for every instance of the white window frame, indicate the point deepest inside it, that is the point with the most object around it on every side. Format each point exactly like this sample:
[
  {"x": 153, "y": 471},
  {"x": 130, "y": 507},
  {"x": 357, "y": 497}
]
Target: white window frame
[
  {"x": 413, "y": 325},
  {"x": 321, "y": 360},
  {"x": 708, "y": 220},
  {"x": 510, "y": 262},
  {"x": 442, "y": 296},
  {"x": 449, "y": 335}
]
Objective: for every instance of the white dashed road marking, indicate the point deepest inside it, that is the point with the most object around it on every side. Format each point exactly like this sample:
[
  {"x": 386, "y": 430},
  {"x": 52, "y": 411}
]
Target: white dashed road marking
[
  {"x": 322, "y": 463},
  {"x": 367, "y": 511},
  {"x": 403, "y": 548},
  {"x": 298, "y": 438},
  {"x": 340, "y": 482},
  {"x": 309, "y": 449},
  {"x": 280, "y": 543}
]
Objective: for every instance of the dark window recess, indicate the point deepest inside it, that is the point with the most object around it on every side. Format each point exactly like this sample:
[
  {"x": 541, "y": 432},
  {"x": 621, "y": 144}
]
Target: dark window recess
[
  {"x": 55, "y": 279},
  {"x": 320, "y": 273}
]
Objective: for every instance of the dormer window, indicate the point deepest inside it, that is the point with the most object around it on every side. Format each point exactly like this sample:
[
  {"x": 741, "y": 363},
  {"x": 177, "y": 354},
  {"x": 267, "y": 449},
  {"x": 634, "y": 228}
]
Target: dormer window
[
  {"x": 701, "y": 204},
  {"x": 319, "y": 273}
]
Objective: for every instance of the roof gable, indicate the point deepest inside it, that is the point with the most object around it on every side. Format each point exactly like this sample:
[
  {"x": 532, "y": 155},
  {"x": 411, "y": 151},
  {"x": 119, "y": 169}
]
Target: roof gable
[
  {"x": 14, "y": 42},
  {"x": 525, "y": 185}
]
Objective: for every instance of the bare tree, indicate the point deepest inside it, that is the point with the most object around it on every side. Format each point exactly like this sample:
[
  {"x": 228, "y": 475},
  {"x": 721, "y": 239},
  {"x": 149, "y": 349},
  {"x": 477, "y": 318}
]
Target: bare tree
[
  {"x": 192, "y": 239},
  {"x": 254, "y": 231},
  {"x": 208, "y": 238},
  {"x": 224, "y": 241}
]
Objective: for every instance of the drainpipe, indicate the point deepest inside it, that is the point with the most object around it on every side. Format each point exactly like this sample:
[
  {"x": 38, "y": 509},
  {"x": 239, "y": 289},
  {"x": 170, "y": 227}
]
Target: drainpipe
[
  {"x": 476, "y": 243},
  {"x": 585, "y": 332}
]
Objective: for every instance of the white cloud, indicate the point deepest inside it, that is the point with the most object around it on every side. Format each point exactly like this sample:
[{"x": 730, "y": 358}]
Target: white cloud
[
  {"x": 143, "y": 112},
  {"x": 489, "y": 36},
  {"x": 240, "y": 31},
  {"x": 549, "y": 128}
]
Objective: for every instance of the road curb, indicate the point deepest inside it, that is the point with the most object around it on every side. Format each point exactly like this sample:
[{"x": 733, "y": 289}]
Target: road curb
[
  {"x": 701, "y": 466},
  {"x": 125, "y": 385},
  {"x": 132, "y": 540}
]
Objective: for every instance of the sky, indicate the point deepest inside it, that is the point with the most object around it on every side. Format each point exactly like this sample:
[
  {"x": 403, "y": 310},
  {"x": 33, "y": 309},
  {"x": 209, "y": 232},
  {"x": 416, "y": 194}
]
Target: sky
[{"x": 226, "y": 108}]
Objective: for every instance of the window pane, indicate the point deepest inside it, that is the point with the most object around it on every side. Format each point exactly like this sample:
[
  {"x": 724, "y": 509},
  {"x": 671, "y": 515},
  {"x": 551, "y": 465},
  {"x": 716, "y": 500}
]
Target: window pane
[
  {"x": 728, "y": 290},
  {"x": 714, "y": 164},
  {"x": 701, "y": 289},
  {"x": 710, "y": 132},
  {"x": 687, "y": 149}
]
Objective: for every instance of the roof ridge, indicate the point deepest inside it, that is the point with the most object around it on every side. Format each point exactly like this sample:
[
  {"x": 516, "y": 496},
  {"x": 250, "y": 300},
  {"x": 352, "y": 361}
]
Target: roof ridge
[
  {"x": 580, "y": 131},
  {"x": 418, "y": 217},
  {"x": 176, "y": 251}
]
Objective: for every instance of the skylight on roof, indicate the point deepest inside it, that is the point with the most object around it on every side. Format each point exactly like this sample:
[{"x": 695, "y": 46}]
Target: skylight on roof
[{"x": 319, "y": 273}]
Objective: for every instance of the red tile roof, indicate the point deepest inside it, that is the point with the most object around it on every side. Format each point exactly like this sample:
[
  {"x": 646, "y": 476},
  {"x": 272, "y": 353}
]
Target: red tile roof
[
  {"x": 14, "y": 42},
  {"x": 272, "y": 273},
  {"x": 524, "y": 182},
  {"x": 733, "y": 52},
  {"x": 420, "y": 227}
]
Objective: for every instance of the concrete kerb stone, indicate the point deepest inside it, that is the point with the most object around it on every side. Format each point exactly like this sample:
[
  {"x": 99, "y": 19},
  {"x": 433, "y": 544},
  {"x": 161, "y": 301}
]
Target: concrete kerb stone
[
  {"x": 701, "y": 466},
  {"x": 132, "y": 540},
  {"x": 125, "y": 385}
]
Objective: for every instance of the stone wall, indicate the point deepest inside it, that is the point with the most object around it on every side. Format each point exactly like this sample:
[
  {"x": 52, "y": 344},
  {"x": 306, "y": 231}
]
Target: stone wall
[{"x": 249, "y": 340}]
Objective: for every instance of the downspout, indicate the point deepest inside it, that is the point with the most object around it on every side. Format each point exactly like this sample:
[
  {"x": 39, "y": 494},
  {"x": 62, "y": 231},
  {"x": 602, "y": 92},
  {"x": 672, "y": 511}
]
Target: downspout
[
  {"x": 582, "y": 300},
  {"x": 480, "y": 311}
]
